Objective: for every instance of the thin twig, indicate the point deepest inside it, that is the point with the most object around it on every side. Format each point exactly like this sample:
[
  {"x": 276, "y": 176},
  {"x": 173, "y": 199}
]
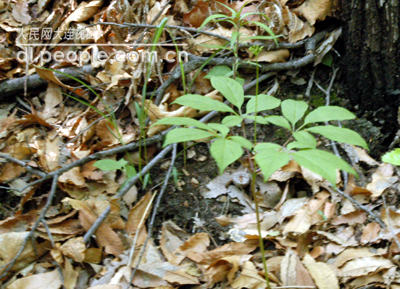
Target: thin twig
[
  {"x": 96, "y": 224},
  {"x": 310, "y": 84},
  {"x": 44, "y": 223},
  {"x": 24, "y": 165},
  {"x": 360, "y": 206}
]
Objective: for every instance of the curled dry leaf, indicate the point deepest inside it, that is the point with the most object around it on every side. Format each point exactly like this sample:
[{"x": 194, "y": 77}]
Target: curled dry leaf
[
  {"x": 274, "y": 56},
  {"x": 230, "y": 249},
  {"x": 50, "y": 76},
  {"x": 249, "y": 278},
  {"x": 172, "y": 237},
  {"x": 381, "y": 180},
  {"x": 298, "y": 29},
  {"x": 351, "y": 254},
  {"x": 314, "y": 10},
  {"x": 356, "y": 217},
  {"x": 197, "y": 243},
  {"x": 223, "y": 268},
  {"x": 308, "y": 215},
  {"x": 364, "y": 266},
  {"x": 138, "y": 214},
  {"x": 74, "y": 248}
]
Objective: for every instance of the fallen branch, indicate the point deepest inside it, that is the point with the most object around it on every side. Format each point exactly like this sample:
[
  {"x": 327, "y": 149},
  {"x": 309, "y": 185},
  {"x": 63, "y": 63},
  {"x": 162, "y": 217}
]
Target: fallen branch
[{"x": 15, "y": 87}]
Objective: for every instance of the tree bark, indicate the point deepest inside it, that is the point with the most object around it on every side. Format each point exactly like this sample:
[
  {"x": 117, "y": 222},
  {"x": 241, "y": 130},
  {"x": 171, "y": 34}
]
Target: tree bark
[{"x": 372, "y": 58}]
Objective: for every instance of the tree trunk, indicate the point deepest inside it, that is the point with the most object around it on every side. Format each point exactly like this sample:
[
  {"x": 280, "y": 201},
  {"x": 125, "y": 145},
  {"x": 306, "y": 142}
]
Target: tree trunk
[{"x": 371, "y": 63}]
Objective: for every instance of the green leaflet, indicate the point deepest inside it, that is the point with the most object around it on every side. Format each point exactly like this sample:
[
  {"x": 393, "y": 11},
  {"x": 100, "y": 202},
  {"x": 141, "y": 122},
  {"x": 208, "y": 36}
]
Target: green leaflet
[
  {"x": 262, "y": 102},
  {"x": 322, "y": 163},
  {"x": 201, "y": 102},
  {"x": 110, "y": 165},
  {"x": 225, "y": 152},
  {"x": 183, "y": 121},
  {"x": 230, "y": 89},
  {"x": 293, "y": 110},
  {"x": 339, "y": 134},
  {"x": 186, "y": 134},
  {"x": 392, "y": 157},
  {"x": 328, "y": 113},
  {"x": 271, "y": 160}
]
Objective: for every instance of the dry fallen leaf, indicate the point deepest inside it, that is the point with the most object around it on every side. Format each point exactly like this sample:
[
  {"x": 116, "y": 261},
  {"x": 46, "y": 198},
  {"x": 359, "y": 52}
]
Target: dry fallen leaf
[
  {"x": 20, "y": 12},
  {"x": 314, "y": 10},
  {"x": 364, "y": 266},
  {"x": 50, "y": 280},
  {"x": 74, "y": 248},
  {"x": 293, "y": 272},
  {"x": 322, "y": 273},
  {"x": 10, "y": 244},
  {"x": 105, "y": 236}
]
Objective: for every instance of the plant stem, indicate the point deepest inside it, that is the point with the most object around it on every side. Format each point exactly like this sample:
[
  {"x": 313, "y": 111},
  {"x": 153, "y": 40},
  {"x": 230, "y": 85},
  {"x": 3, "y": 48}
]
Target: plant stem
[{"x": 261, "y": 241}]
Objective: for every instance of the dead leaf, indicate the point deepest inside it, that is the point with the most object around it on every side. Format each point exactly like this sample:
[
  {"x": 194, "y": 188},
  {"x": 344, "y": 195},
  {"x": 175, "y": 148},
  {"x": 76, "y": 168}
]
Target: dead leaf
[
  {"x": 381, "y": 180},
  {"x": 137, "y": 214},
  {"x": 314, "y": 10},
  {"x": 293, "y": 272},
  {"x": 357, "y": 217},
  {"x": 74, "y": 248},
  {"x": 196, "y": 243},
  {"x": 50, "y": 280},
  {"x": 275, "y": 56},
  {"x": 10, "y": 244},
  {"x": 83, "y": 12},
  {"x": 105, "y": 236},
  {"x": 364, "y": 266},
  {"x": 20, "y": 12},
  {"x": 249, "y": 278},
  {"x": 322, "y": 273},
  {"x": 370, "y": 232}
]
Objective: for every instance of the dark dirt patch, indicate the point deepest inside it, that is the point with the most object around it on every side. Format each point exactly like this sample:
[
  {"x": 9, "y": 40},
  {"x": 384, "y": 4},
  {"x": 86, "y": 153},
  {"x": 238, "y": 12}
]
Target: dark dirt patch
[{"x": 184, "y": 203}]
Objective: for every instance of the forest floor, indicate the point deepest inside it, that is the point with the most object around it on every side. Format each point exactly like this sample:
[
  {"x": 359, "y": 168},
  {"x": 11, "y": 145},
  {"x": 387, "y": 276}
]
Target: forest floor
[{"x": 90, "y": 197}]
